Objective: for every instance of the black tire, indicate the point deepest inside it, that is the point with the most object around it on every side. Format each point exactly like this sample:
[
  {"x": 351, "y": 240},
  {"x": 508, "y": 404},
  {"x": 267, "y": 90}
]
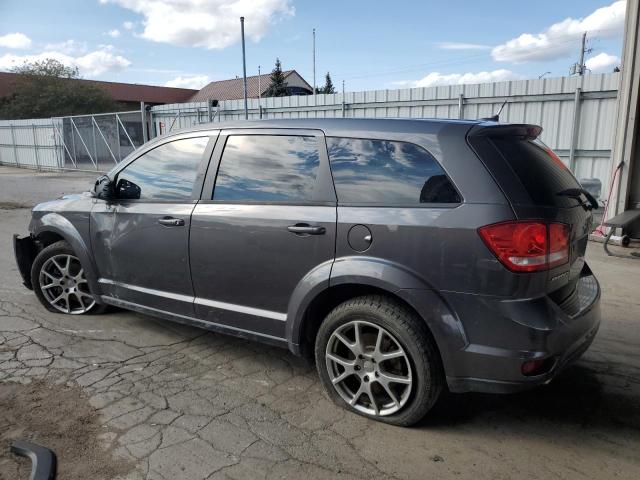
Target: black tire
[
  {"x": 625, "y": 240},
  {"x": 58, "y": 248},
  {"x": 412, "y": 335}
]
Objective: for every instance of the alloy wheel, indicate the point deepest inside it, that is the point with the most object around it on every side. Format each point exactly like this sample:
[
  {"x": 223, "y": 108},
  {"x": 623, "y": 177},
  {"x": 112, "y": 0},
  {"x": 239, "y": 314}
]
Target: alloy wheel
[
  {"x": 64, "y": 285},
  {"x": 369, "y": 368}
]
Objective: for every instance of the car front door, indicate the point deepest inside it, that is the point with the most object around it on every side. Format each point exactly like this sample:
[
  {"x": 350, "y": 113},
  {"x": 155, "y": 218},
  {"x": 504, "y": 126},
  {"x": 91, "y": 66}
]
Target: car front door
[
  {"x": 268, "y": 222},
  {"x": 141, "y": 238}
]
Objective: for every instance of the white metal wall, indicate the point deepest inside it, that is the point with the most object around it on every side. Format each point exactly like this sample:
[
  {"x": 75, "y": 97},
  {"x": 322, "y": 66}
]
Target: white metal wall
[
  {"x": 549, "y": 102},
  {"x": 29, "y": 143}
]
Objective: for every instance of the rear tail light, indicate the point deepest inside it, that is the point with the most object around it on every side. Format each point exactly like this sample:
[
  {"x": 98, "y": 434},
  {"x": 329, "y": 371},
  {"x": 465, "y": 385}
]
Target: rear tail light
[{"x": 528, "y": 246}]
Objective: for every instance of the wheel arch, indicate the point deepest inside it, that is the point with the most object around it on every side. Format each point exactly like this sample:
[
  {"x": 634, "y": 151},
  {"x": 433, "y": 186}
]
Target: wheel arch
[
  {"x": 53, "y": 227},
  {"x": 440, "y": 321}
]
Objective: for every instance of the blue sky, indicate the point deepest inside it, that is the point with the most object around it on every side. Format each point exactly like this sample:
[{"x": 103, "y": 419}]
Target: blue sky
[{"x": 369, "y": 45}]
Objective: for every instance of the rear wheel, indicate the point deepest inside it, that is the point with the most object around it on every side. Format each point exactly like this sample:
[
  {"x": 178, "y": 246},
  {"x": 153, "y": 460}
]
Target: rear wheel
[
  {"x": 376, "y": 358},
  {"x": 59, "y": 281}
]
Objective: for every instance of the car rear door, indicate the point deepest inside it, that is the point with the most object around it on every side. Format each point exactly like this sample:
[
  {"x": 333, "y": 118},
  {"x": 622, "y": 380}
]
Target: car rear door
[
  {"x": 269, "y": 221},
  {"x": 140, "y": 239}
]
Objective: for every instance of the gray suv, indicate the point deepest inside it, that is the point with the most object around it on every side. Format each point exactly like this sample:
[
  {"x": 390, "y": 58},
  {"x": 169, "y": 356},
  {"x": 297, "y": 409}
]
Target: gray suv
[{"x": 406, "y": 256}]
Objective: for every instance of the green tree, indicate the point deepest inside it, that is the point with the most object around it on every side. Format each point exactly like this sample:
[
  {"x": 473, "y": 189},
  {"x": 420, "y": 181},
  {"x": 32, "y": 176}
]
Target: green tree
[
  {"x": 328, "y": 85},
  {"x": 278, "y": 86},
  {"x": 49, "y": 88}
]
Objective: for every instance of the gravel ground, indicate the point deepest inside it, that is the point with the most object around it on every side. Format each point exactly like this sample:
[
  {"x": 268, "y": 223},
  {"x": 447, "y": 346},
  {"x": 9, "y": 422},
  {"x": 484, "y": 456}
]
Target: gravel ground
[{"x": 158, "y": 400}]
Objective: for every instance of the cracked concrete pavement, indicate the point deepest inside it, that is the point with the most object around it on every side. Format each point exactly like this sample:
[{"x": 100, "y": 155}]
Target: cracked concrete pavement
[{"x": 184, "y": 403}]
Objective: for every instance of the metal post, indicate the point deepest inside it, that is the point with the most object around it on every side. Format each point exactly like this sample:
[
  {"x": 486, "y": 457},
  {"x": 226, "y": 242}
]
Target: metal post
[
  {"x": 95, "y": 144},
  {"x": 575, "y": 128},
  {"x": 244, "y": 71},
  {"x": 56, "y": 147},
  {"x": 461, "y": 105},
  {"x": 209, "y": 109},
  {"x": 143, "y": 114},
  {"x": 343, "y": 100},
  {"x": 35, "y": 145},
  {"x": 73, "y": 142},
  {"x": 259, "y": 92},
  {"x": 118, "y": 139},
  {"x": 314, "y": 61},
  {"x": 15, "y": 149}
]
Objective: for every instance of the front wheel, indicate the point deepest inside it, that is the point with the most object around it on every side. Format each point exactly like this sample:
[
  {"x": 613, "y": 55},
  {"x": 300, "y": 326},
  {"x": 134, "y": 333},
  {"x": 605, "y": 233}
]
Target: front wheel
[
  {"x": 376, "y": 358},
  {"x": 59, "y": 281}
]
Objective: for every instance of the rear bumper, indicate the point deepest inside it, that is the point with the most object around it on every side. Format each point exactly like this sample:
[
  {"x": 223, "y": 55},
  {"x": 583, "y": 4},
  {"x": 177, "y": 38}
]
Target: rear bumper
[
  {"x": 25, "y": 251},
  {"x": 502, "y": 335}
]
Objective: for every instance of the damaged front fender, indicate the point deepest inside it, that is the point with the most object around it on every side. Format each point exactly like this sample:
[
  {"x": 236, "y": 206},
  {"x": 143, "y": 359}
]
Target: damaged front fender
[{"x": 25, "y": 251}]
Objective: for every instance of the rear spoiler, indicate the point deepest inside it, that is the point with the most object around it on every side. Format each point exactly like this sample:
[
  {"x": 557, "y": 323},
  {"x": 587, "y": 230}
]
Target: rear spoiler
[{"x": 491, "y": 129}]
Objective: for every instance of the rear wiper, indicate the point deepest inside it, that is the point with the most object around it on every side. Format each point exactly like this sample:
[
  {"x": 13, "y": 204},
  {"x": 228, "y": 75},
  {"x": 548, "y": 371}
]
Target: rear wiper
[{"x": 576, "y": 192}]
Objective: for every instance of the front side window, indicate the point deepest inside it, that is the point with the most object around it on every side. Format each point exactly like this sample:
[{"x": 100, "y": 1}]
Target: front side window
[
  {"x": 167, "y": 172},
  {"x": 387, "y": 173},
  {"x": 267, "y": 168}
]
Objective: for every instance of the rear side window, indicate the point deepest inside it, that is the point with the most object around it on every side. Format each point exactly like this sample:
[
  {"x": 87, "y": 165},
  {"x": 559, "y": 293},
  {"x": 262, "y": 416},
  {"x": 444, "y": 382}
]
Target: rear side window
[
  {"x": 540, "y": 171},
  {"x": 267, "y": 168},
  {"x": 389, "y": 173}
]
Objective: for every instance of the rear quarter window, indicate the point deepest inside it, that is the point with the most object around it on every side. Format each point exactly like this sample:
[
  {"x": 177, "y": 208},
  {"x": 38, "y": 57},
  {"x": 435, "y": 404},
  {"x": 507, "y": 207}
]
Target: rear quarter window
[
  {"x": 540, "y": 171},
  {"x": 382, "y": 172}
]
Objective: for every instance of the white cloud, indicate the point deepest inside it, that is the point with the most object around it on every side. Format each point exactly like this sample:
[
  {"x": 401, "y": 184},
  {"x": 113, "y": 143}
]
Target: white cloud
[
  {"x": 602, "y": 62},
  {"x": 68, "y": 47},
  {"x": 212, "y": 24},
  {"x": 462, "y": 46},
  {"x": 91, "y": 64},
  {"x": 437, "y": 78},
  {"x": 15, "y": 40},
  {"x": 115, "y": 33},
  {"x": 128, "y": 25},
  {"x": 562, "y": 38},
  {"x": 189, "y": 81}
]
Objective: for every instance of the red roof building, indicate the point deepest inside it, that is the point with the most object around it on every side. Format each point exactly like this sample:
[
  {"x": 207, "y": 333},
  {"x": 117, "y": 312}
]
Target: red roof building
[{"x": 131, "y": 93}]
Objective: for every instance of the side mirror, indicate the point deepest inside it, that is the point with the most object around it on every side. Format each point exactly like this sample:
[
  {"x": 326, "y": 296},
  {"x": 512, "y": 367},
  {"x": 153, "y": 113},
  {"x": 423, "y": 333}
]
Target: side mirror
[
  {"x": 127, "y": 190},
  {"x": 103, "y": 188}
]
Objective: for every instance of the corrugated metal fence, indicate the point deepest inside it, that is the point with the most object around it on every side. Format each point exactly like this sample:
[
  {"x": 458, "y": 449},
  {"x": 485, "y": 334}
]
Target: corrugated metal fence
[
  {"x": 29, "y": 143},
  {"x": 577, "y": 113}
]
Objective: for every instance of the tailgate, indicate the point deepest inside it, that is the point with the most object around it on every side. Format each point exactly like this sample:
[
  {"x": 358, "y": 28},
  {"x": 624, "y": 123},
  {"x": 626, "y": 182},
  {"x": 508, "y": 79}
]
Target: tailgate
[{"x": 535, "y": 181}]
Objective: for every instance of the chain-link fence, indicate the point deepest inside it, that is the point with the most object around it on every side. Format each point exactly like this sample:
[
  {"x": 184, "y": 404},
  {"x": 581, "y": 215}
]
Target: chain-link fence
[
  {"x": 98, "y": 142},
  {"x": 83, "y": 142}
]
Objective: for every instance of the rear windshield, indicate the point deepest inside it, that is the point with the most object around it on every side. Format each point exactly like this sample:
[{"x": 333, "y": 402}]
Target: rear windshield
[{"x": 541, "y": 172}]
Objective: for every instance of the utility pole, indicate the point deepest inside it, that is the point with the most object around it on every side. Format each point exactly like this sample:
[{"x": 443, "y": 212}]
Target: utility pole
[
  {"x": 579, "y": 68},
  {"x": 584, "y": 42},
  {"x": 314, "y": 61},
  {"x": 244, "y": 71}
]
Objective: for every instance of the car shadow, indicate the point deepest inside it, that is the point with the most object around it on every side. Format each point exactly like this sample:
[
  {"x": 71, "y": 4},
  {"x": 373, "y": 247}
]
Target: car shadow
[{"x": 576, "y": 398}]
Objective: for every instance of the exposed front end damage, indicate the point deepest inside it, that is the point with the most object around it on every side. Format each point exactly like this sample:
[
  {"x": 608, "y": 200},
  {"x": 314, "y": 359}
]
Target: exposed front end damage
[{"x": 25, "y": 250}]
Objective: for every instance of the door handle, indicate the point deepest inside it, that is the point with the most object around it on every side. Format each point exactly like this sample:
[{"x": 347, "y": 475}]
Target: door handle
[
  {"x": 171, "y": 222},
  {"x": 306, "y": 229}
]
